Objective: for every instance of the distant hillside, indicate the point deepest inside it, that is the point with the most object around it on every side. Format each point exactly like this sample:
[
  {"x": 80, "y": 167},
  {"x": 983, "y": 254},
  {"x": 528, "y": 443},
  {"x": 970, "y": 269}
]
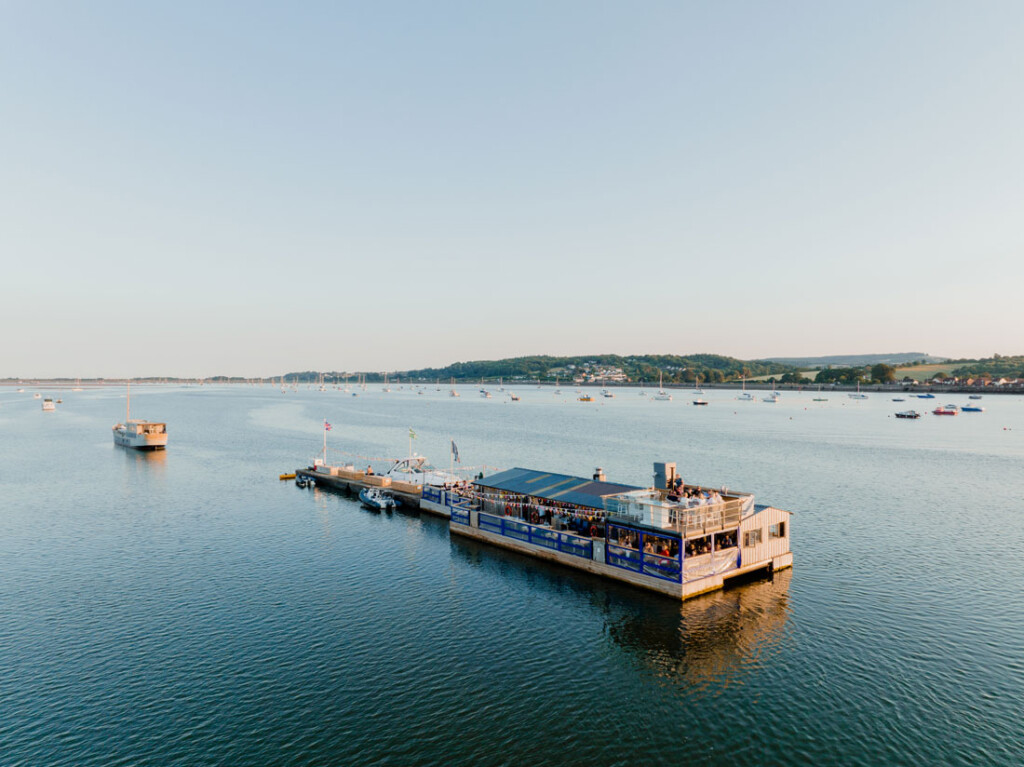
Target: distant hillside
[
  {"x": 609, "y": 368},
  {"x": 856, "y": 360}
]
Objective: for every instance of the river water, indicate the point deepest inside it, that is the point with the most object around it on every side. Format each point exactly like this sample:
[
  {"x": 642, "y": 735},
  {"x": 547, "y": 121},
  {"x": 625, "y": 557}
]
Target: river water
[{"x": 187, "y": 607}]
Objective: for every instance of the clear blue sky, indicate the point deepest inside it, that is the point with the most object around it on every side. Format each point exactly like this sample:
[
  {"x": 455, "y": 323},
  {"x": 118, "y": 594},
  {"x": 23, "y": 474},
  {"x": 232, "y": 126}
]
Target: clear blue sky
[{"x": 195, "y": 188}]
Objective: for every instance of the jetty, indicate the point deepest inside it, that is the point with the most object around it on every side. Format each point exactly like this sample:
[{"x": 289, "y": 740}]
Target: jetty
[{"x": 673, "y": 538}]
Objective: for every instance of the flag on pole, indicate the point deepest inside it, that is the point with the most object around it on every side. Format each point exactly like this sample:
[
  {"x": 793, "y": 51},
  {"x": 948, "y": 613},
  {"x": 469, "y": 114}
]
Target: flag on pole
[
  {"x": 412, "y": 434},
  {"x": 327, "y": 426},
  {"x": 455, "y": 452}
]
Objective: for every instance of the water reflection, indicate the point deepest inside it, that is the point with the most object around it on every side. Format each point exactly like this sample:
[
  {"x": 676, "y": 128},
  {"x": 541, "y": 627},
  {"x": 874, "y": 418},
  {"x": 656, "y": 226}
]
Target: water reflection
[
  {"x": 704, "y": 642},
  {"x": 146, "y": 460}
]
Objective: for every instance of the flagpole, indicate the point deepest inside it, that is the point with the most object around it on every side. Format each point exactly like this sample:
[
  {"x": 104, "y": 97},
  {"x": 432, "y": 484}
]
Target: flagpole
[{"x": 325, "y": 442}]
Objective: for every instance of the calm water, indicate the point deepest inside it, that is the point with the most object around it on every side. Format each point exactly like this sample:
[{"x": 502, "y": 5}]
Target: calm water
[{"x": 188, "y": 608}]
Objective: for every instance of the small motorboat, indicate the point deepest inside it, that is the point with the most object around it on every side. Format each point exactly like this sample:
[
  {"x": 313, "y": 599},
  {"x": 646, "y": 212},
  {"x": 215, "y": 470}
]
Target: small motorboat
[
  {"x": 304, "y": 480},
  {"x": 376, "y": 499},
  {"x": 946, "y": 410},
  {"x": 974, "y": 396},
  {"x": 973, "y": 409},
  {"x": 700, "y": 402},
  {"x": 898, "y": 399},
  {"x": 926, "y": 396},
  {"x": 514, "y": 397},
  {"x": 908, "y": 414},
  {"x": 586, "y": 398}
]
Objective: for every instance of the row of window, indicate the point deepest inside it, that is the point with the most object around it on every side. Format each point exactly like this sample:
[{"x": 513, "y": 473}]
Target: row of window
[{"x": 753, "y": 537}]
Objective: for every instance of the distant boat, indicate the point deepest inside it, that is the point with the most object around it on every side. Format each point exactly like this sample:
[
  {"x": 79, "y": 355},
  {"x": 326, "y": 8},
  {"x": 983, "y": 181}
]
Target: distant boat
[
  {"x": 485, "y": 394},
  {"x": 48, "y": 404},
  {"x": 974, "y": 396},
  {"x": 139, "y": 435},
  {"x": 857, "y": 394},
  {"x": 454, "y": 392},
  {"x": 773, "y": 397},
  {"x": 946, "y": 410},
  {"x": 908, "y": 414},
  {"x": 925, "y": 396},
  {"x": 700, "y": 402},
  {"x": 585, "y": 398},
  {"x": 745, "y": 396},
  {"x": 513, "y": 396},
  {"x": 607, "y": 394},
  {"x": 898, "y": 399},
  {"x": 662, "y": 395},
  {"x": 37, "y": 395},
  {"x": 973, "y": 409}
]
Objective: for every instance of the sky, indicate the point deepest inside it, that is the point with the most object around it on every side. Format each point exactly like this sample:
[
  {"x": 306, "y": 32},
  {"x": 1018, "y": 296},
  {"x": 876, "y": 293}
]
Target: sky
[{"x": 250, "y": 188}]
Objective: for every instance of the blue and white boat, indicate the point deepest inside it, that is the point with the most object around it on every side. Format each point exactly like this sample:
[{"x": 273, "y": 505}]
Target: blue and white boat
[
  {"x": 375, "y": 499},
  {"x": 926, "y": 396},
  {"x": 973, "y": 409}
]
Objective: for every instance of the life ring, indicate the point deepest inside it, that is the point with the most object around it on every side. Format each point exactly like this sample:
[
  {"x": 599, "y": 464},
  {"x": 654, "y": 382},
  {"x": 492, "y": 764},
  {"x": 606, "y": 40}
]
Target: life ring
[
  {"x": 593, "y": 531},
  {"x": 535, "y": 517},
  {"x": 508, "y": 509}
]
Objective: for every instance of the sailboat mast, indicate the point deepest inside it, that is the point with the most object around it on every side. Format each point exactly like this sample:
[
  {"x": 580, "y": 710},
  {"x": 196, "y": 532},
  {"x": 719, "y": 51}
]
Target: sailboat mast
[{"x": 128, "y": 405}]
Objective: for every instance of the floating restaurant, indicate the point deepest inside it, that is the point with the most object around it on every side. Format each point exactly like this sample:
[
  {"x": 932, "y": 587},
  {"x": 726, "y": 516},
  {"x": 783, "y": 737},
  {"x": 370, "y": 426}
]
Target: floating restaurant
[{"x": 673, "y": 538}]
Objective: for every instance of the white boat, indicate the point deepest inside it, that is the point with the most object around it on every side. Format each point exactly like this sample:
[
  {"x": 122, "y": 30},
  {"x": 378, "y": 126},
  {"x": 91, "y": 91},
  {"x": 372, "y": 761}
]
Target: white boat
[
  {"x": 974, "y": 396},
  {"x": 857, "y": 394},
  {"x": 454, "y": 392},
  {"x": 662, "y": 395},
  {"x": 773, "y": 397},
  {"x": 745, "y": 396},
  {"x": 139, "y": 435},
  {"x": 78, "y": 385},
  {"x": 48, "y": 404},
  {"x": 607, "y": 394},
  {"x": 485, "y": 394},
  {"x": 415, "y": 470}
]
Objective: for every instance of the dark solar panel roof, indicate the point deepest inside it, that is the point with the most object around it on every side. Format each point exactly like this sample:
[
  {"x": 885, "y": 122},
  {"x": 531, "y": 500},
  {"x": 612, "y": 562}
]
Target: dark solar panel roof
[{"x": 555, "y": 487}]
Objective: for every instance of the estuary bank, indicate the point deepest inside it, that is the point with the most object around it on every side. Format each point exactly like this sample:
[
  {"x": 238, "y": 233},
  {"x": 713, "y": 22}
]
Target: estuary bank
[{"x": 673, "y": 538}]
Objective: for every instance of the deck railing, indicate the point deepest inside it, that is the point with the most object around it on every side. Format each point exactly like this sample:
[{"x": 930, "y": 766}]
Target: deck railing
[{"x": 535, "y": 535}]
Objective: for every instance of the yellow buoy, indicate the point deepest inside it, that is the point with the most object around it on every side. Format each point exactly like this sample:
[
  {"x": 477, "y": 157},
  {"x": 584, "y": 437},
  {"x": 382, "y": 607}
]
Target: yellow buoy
[{"x": 287, "y": 476}]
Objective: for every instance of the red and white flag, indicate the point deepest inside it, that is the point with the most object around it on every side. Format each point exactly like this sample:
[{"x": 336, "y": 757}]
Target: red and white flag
[{"x": 327, "y": 426}]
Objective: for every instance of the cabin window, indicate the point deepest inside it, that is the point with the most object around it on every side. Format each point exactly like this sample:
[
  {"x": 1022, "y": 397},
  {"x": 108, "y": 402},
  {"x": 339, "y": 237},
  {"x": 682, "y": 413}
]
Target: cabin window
[
  {"x": 777, "y": 530},
  {"x": 751, "y": 538},
  {"x": 725, "y": 540}
]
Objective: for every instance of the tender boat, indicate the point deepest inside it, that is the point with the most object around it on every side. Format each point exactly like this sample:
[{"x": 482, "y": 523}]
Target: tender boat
[
  {"x": 48, "y": 404},
  {"x": 908, "y": 414},
  {"x": 946, "y": 410},
  {"x": 139, "y": 435},
  {"x": 376, "y": 499}
]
